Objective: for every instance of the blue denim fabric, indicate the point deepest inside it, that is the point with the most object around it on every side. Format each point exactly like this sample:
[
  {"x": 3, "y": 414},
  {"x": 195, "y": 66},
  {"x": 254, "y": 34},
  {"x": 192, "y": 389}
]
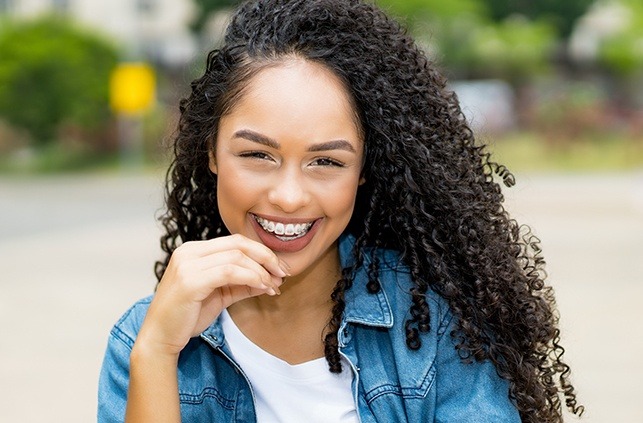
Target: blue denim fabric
[{"x": 391, "y": 382}]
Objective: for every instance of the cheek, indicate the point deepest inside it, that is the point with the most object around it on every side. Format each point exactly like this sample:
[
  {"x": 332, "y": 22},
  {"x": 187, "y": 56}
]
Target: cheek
[
  {"x": 340, "y": 198},
  {"x": 235, "y": 195}
]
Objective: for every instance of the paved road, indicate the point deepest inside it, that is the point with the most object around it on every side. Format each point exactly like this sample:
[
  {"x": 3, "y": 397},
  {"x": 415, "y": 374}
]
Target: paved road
[{"x": 76, "y": 251}]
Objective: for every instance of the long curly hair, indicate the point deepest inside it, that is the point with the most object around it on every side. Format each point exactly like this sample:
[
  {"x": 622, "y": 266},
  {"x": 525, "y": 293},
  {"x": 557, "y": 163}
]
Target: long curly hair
[{"x": 430, "y": 191}]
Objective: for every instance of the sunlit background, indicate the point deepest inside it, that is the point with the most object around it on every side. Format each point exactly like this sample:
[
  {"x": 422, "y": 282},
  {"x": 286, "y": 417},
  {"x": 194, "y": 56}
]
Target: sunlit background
[{"x": 89, "y": 94}]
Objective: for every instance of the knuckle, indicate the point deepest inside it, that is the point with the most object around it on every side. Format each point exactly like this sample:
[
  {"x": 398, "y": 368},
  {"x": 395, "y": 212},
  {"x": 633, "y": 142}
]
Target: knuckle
[
  {"x": 236, "y": 255},
  {"x": 227, "y": 270},
  {"x": 181, "y": 270},
  {"x": 180, "y": 266},
  {"x": 182, "y": 250}
]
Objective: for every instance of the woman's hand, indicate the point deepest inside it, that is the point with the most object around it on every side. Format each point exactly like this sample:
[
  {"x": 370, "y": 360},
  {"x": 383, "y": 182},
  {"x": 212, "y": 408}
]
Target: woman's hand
[{"x": 201, "y": 279}]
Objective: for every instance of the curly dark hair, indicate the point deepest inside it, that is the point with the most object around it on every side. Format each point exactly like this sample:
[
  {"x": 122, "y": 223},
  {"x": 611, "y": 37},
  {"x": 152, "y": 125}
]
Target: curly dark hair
[{"x": 430, "y": 191}]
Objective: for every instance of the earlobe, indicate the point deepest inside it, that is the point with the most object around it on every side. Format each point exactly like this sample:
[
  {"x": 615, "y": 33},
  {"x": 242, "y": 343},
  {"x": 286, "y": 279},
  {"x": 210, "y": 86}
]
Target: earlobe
[
  {"x": 212, "y": 162},
  {"x": 362, "y": 181}
]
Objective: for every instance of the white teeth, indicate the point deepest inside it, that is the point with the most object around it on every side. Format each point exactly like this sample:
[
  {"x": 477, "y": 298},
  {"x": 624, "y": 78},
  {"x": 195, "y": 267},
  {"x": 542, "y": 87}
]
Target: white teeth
[{"x": 288, "y": 231}]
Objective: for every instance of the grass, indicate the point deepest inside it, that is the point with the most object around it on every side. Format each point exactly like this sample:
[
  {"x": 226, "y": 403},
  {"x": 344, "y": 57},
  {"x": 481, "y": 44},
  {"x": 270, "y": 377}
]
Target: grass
[
  {"x": 57, "y": 159},
  {"x": 530, "y": 152}
]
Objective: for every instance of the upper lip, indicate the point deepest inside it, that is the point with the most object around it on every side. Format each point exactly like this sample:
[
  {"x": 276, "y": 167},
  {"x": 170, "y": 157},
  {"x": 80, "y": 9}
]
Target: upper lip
[{"x": 285, "y": 219}]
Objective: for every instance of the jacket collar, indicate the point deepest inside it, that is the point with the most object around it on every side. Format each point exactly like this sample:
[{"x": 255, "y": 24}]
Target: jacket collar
[{"x": 361, "y": 306}]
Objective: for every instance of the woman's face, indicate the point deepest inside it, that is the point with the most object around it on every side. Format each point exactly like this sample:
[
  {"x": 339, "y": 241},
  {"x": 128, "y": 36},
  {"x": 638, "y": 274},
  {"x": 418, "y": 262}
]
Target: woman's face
[{"x": 288, "y": 160}]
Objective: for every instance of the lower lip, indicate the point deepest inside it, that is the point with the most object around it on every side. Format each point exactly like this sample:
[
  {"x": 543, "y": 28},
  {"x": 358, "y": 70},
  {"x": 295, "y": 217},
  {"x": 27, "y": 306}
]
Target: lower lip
[{"x": 279, "y": 246}]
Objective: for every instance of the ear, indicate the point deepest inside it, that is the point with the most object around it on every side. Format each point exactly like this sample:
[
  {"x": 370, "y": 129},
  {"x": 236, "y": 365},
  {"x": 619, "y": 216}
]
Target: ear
[
  {"x": 212, "y": 162},
  {"x": 362, "y": 181}
]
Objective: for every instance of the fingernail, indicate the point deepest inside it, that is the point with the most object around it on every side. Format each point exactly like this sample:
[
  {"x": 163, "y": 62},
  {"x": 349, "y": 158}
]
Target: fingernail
[{"x": 284, "y": 266}]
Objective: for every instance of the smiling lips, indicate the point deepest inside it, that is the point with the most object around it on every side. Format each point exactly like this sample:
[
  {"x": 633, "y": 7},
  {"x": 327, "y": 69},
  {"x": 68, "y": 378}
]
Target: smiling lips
[
  {"x": 284, "y": 237},
  {"x": 290, "y": 230}
]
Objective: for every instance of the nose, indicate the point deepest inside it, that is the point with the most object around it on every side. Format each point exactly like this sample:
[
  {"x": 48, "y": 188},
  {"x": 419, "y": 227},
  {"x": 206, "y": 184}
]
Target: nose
[{"x": 288, "y": 191}]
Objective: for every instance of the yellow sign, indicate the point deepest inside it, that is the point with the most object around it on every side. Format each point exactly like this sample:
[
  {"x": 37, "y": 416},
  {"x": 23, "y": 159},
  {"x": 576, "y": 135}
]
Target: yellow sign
[{"x": 132, "y": 88}]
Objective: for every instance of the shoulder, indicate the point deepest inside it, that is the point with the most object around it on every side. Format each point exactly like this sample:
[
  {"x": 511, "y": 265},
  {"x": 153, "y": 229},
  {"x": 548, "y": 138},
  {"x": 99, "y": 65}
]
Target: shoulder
[
  {"x": 114, "y": 375},
  {"x": 127, "y": 327},
  {"x": 432, "y": 381}
]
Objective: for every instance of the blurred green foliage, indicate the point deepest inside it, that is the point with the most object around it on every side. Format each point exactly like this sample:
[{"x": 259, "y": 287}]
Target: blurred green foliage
[
  {"x": 53, "y": 74},
  {"x": 529, "y": 151},
  {"x": 54, "y": 82},
  {"x": 562, "y": 14},
  {"x": 622, "y": 52},
  {"x": 510, "y": 39},
  {"x": 415, "y": 10},
  {"x": 471, "y": 44},
  {"x": 513, "y": 49}
]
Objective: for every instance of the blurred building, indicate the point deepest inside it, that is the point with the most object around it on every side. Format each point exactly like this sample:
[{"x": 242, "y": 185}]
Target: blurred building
[
  {"x": 157, "y": 30},
  {"x": 488, "y": 105}
]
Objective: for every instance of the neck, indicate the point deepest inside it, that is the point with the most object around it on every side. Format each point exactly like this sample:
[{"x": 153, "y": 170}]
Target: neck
[
  {"x": 292, "y": 325},
  {"x": 303, "y": 295}
]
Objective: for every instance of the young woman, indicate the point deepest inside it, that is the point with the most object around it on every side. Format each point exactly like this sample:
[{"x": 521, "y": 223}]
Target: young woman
[{"x": 337, "y": 248}]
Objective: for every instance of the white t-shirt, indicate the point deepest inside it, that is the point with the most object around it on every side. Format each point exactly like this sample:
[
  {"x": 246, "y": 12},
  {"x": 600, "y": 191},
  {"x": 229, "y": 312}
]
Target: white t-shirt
[{"x": 306, "y": 392}]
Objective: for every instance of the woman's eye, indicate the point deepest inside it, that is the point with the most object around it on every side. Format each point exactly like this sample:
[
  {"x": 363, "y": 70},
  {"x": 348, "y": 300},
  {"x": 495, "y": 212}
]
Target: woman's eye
[
  {"x": 325, "y": 161},
  {"x": 256, "y": 155}
]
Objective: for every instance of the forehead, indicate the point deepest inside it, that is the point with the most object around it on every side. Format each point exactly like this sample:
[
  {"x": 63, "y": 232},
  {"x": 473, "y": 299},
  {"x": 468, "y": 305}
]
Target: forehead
[
  {"x": 296, "y": 96},
  {"x": 297, "y": 79}
]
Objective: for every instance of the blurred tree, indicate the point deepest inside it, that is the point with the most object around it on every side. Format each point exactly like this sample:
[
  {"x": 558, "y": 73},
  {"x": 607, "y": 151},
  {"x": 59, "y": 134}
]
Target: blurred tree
[
  {"x": 471, "y": 44},
  {"x": 620, "y": 54},
  {"x": 562, "y": 14},
  {"x": 405, "y": 9},
  {"x": 417, "y": 10},
  {"x": 474, "y": 38},
  {"x": 444, "y": 27},
  {"x": 622, "y": 51},
  {"x": 52, "y": 73},
  {"x": 514, "y": 49}
]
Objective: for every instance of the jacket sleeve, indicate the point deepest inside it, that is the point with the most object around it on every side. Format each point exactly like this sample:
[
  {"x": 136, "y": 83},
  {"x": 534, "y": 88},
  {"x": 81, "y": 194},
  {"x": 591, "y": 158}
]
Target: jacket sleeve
[
  {"x": 114, "y": 379},
  {"x": 470, "y": 391},
  {"x": 114, "y": 375}
]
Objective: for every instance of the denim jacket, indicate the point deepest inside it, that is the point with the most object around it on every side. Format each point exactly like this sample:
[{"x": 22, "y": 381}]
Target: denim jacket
[{"x": 391, "y": 383}]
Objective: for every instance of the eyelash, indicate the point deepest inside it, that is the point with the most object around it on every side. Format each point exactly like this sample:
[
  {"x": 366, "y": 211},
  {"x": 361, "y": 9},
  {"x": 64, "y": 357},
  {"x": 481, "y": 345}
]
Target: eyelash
[
  {"x": 329, "y": 162},
  {"x": 259, "y": 155},
  {"x": 322, "y": 161}
]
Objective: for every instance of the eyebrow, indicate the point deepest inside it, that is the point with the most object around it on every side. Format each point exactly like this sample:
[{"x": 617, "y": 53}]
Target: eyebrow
[{"x": 269, "y": 142}]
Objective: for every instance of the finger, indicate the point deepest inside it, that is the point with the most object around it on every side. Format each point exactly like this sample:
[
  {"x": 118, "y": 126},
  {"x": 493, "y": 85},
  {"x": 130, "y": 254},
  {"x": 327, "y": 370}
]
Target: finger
[
  {"x": 229, "y": 274},
  {"x": 253, "y": 249},
  {"x": 239, "y": 258},
  {"x": 230, "y": 294}
]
